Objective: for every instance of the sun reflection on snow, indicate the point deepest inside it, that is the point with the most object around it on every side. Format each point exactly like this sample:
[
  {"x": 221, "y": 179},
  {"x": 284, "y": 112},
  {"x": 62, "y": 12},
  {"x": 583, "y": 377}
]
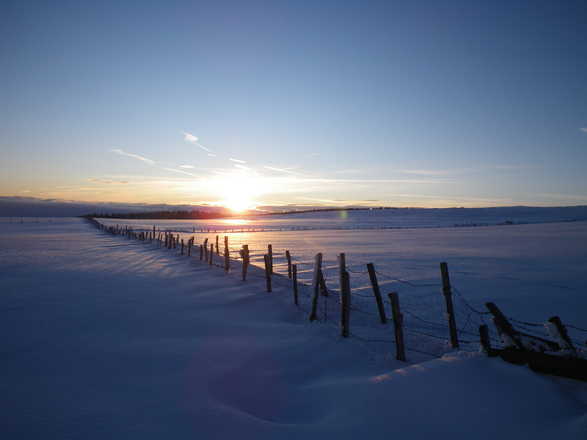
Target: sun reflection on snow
[{"x": 235, "y": 221}]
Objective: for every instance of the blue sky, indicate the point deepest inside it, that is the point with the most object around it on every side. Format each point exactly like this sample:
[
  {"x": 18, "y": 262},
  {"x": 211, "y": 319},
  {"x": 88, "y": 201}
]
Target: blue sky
[{"x": 393, "y": 103}]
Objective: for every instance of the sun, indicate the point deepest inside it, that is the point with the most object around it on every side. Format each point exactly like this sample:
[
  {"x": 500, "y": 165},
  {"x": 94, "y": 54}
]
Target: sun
[
  {"x": 238, "y": 205},
  {"x": 239, "y": 190}
]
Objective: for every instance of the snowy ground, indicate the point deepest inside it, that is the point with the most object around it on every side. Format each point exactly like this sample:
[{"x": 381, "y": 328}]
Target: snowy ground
[
  {"x": 531, "y": 271},
  {"x": 109, "y": 338}
]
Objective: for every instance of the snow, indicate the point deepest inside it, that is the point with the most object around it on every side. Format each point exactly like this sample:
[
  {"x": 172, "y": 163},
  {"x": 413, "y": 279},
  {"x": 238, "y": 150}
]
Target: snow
[
  {"x": 109, "y": 338},
  {"x": 532, "y": 272}
]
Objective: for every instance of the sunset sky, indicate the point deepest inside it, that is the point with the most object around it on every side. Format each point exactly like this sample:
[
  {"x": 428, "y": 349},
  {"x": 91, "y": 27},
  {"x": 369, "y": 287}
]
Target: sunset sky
[{"x": 452, "y": 103}]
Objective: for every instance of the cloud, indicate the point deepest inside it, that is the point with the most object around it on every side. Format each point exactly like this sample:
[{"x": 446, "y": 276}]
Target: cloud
[
  {"x": 134, "y": 156},
  {"x": 242, "y": 167},
  {"x": 280, "y": 170},
  {"x": 432, "y": 172},
  {"x": 188, "y": 137},
  {"x": 237, "y": 160},
  {"x": 211, "y": 155},
  {"x": 108, "y": 181},
  {"x": 583, "y": 129},
  {"x": 173, "y": 170},
  {"x": 187, "y": 167}
]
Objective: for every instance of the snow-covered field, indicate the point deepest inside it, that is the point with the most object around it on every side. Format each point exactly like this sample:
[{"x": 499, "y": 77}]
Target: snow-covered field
[
  {"x": 109, "y": 338},
  {"x": 532, "y": 271}
]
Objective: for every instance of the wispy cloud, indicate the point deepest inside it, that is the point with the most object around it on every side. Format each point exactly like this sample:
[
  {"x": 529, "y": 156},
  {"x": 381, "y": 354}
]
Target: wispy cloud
[
  {"x": 134, "y": 156},
  {"x": 280, "y": 170},
  {"x": 241, "y": 167},
  {"x": 188, "y": 137},
  {"x": 237, "y": 160},
  {"x": 173, "y": 170},
  {"x": 187, "y": 167},
  {"x": 108, "y": 181},
  {"x": 428, "y": 172}
]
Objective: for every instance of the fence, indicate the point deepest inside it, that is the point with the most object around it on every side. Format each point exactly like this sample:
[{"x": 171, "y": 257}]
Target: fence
[{"x": 415, "y": 319}]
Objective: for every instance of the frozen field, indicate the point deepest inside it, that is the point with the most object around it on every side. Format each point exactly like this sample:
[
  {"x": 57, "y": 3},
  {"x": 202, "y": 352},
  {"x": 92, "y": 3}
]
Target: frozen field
[
  {"x": 533, "y": 271},
  {"x": 110, "y": 338},
  {"x": 392, "y": 218}
]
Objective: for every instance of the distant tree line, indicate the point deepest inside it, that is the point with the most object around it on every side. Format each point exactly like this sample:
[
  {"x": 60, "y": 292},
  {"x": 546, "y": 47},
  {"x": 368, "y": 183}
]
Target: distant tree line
[
  {"x": 212, "y": 214},
  {"x": 166, "y": 215}
]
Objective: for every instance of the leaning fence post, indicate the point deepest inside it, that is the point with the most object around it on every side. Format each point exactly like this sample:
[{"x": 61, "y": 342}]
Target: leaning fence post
[
  {"x": 376, "y": 292},
  {"x": 447, "y": 292},
  {"x": 294, "y": 269},
  {"x": 398, "y": 320},
  {"x": 267, "y": 272},
  {"x": 345, "y": 303},
  {"x": 509, "y": 336},
  {"x": 316, "y": 286},
  {"x": 288, "y": 256},
  {"x": 559, "y": 332}
]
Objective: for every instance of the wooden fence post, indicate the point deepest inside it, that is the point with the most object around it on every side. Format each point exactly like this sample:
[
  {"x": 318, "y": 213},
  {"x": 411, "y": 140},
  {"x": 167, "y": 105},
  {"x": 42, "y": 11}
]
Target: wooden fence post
[
  {"x": 447, "y": 292},
  {"x": 226, "y": 255},
  {"x": 182, "y": 246},
  {"x": 206, "y": 250},
  {"x": 345, "y": 303},
  {"x": 376, "y": 292},
  {"x": 341, "y": 270},
  {"x": 201, "y": 252},
  {"x": 484, "y": 339},
  {"x": 190, "y": 242},
  {"x": 217, "y": 247},
  {"x": 270, "y": 255},
  {"x": 316, "y": 286},
  {"x": 288, "y": 256},
  {"x": 245, "y": 255},
  {"x": 509, "y": 336},
  {"x": 559, "y": 332},
  {"x": 295, "y": 283},
  {"x": 400, "y": 350},
  {"x": 211, "y": 254},
  {"x": 267, "y": 272}
]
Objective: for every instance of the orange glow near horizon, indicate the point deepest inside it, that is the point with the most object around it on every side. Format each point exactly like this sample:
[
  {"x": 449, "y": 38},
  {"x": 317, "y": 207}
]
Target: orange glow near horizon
[
  {"x": 239, "y": 190},
  {"x": 235, "y": 221}
]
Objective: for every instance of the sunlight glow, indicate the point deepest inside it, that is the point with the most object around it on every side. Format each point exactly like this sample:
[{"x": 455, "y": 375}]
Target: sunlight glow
[
  {"x": 235, "y": 221},
  {"x": 239, "y": 190}
]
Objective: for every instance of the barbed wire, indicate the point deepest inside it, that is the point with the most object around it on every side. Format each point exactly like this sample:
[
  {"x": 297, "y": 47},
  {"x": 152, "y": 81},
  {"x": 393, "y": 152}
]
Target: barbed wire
[
  {"x": 576, "y": 328},
  {"x": 409, "y": 283}
]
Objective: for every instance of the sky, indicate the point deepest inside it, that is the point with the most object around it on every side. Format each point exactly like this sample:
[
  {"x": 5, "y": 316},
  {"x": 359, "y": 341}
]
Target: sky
[{"x": 334, "y": 103}]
